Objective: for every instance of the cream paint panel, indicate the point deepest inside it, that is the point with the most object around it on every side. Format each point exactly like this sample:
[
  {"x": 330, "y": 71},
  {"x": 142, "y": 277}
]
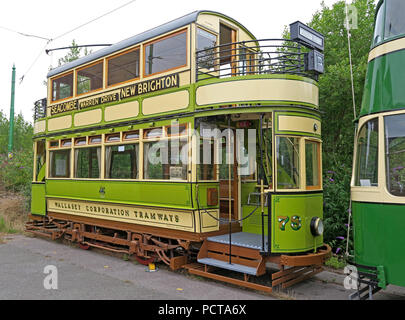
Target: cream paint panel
[
  {"x": 88, "y": 117},
  {"x": 302, "y": 124},
  {"x": 60, "y": 123},
  {"x": 387, "y": 48},
  {"x": 209, "y": 21},
  {"x": 254, "y": 90},
  {"x": 171, "y": 219},
  {"x": 208, "y": 223},
  {"x": 166, "y": 102},
  {"x": 122, "y": 111},
  {"x": 39, "y": 126}
]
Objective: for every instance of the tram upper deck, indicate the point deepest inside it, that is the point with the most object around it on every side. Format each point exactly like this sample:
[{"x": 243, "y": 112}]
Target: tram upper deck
[{"x": 202, "y": 61}]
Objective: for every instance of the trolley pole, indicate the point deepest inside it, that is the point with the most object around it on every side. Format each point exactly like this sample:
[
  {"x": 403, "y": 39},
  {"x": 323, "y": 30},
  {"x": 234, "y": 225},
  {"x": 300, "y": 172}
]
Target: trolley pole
[{"x": 11, "y": 128}]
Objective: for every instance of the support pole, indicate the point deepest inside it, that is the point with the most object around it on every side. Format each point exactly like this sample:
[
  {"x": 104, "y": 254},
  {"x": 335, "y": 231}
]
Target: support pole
[{"x": 11, "y": 128}]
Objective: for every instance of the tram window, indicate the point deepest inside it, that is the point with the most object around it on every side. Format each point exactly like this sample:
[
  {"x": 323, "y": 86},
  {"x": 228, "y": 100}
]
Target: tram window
[
  {"x": 80, "y": 141},
  {"x": 248, "y": 155},
  {"x": 62, "y": 87},
  {"x": 132, "y": 135},
  {"x": 395, "y": 154},
  {"x": 166, "y": 160},
  {"x": 206, "y": 168},
  {"x": 312, "y": 164},
  {"x": 122, "y": 162},
  {"x": 123, "y": 67},
  {"x": 166, "y": 54},
  {"x": 206, "y": 41},
  {"x": 367, "y": 155},
  {"x": 87, "y": 163},
  {"x": 54, "y": 144},
  {"x": 59, "y": 163},
  {"x": 176, "y": 130},
  {"x": 95, "y": 140},
  {"x": 40, "y": 161},
  {"x": 66, "y": 143},
  {"x": 394, "y": 18},
  {"x": 379, "y": 25},
  {"x": 90, "y": 78},
  {"x": 288, "y": 159},
  {"x": 153, "y": 133},
  {"x": 113, "y": 138}
]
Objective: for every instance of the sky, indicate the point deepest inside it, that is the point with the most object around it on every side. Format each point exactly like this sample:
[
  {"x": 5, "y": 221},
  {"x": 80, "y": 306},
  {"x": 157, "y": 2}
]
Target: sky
[{"x": 52, "y": 18}]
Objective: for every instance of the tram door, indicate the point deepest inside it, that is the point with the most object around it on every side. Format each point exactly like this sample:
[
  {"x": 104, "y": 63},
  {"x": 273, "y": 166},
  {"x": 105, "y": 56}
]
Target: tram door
[
  {"x": 229, "y": 184},
  {"x": 227, "y": 53}
]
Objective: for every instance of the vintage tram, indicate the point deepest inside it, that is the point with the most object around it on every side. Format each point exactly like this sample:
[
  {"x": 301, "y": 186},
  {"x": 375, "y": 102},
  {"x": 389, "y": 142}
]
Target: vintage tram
[
  {"x": 194, "y": 144},
  {"x": 378, "y": 182}
]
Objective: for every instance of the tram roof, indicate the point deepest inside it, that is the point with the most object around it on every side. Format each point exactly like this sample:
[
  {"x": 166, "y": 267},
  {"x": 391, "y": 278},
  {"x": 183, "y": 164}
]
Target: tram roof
[{"x": 162, "y": 29}]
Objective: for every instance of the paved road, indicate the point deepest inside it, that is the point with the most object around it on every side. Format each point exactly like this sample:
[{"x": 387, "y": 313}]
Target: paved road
[{"x": 97, "y": 276}]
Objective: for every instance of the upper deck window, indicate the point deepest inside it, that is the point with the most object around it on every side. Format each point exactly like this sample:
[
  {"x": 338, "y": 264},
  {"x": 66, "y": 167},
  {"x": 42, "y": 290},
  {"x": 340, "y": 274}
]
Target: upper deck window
[
  {"x": 166, "y": 54},
  {"x": 123, "y": 67},
  {"x": 394, "y": 18},
  {"x": 62, "y": 87},
  {"x": 379, "y": 25},
  {"x": 90, "y": 78}
]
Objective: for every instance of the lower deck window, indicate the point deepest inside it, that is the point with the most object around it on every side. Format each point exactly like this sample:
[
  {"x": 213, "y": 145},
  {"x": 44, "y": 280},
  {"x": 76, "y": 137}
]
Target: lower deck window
[
  {"x": 395, "y": 154},
  {"x": 367, "y": 155},
  {"x": 166, "y": 160},
  {"x": 122, "y": 162},
  {"x": 88, "y": 163},
  {"x": 59, "y": 164},
  {"x": 288, "y": 159},
  {"x": 312, "y": 165}
]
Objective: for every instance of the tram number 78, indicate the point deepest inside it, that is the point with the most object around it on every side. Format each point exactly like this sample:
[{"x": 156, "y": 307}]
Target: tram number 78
[{"x": 295, "y": 222}]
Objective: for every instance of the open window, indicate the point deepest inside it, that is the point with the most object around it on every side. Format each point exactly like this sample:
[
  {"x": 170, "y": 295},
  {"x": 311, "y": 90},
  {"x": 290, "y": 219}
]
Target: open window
[
  {"x": 62, "y": 87},
  {"x": 90, "y": 78}
]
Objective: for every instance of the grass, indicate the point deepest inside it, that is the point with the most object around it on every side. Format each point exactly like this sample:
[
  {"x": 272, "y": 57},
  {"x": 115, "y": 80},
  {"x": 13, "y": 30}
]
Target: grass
[{"x": 336, "y": 262}]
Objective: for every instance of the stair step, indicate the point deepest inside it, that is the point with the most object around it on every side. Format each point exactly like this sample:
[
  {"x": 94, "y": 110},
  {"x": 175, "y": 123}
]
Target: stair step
[{"x": 225, "y": 265}]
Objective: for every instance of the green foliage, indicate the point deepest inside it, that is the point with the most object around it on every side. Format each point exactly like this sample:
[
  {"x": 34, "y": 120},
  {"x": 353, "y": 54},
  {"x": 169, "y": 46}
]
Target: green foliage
[{"x": 16, "y": 173}]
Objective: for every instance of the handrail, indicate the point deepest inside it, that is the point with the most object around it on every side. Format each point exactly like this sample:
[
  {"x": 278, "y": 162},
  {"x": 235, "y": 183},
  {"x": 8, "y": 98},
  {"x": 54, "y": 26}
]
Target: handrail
[
  {"x": 255, "y": 57},
  {"x": 40, "y": 109}
]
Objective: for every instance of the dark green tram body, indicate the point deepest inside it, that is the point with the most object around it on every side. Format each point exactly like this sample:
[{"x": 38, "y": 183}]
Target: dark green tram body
[{"x": 378, "y": 198}]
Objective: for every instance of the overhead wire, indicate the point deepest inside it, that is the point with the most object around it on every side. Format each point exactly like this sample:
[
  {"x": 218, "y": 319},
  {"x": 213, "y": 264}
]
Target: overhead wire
[{"x": 49, "y": 40}]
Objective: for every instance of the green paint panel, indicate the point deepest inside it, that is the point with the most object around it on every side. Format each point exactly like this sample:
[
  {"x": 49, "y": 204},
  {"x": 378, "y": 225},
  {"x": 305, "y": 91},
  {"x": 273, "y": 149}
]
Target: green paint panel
[
  {"x": 384, "y": 89},
  {"x": 291, "y": 218},
  {"x": 38, "y": 203},
  {"x": 379, "y": 238},
  {"x": 148, "y": 193}
]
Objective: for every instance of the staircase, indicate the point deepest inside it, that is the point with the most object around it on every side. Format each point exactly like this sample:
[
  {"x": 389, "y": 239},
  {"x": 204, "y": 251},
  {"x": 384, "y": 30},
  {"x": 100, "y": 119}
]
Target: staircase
[{"x": 243, "y": 257}]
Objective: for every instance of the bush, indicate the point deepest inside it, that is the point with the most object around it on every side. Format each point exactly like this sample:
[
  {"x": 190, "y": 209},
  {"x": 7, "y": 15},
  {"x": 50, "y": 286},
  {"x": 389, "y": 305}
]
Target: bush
[
  {"x": 336, "y": 207},
  {"x": 16, "y": 173}
]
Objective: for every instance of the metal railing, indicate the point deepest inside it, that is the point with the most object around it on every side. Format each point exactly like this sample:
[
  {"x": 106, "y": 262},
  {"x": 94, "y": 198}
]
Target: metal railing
[
  {"x": 40, "y": 109},
  {"x": 256, "y": 57}
]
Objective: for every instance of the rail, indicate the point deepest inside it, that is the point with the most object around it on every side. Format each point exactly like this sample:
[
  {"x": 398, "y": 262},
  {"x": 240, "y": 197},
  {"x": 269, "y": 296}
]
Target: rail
[
  {"x": 256, "y": 57},
  {"x": 40, "y": 109}
]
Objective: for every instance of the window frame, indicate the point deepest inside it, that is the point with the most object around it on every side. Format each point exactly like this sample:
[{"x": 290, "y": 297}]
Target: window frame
[
  {"x": 73, "y": 86},
  {"x": 138, "y": 47},
  {"x": 319, "y": 159},
  {"x": 184, "y": 30},
  {"x": 76, "y": 94}
]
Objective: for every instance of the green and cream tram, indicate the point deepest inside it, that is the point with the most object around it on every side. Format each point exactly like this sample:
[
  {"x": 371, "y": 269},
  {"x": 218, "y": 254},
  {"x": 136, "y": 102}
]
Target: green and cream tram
[
  {"x": 378, "y": 183},
  {"x": 193, "y": 143}
]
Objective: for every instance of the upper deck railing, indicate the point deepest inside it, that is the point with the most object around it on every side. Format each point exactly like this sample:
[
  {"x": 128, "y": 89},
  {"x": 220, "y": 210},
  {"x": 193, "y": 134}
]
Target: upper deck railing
[
  {"x": 256, "y": 57},
  {"x": 40, "y": 109}
]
